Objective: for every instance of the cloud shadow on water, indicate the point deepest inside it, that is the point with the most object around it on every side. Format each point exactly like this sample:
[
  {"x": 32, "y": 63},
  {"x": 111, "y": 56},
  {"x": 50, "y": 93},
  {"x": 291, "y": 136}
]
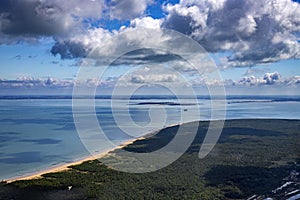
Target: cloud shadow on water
[
  {"x": 23, "y": 158},
  {"x": 27, "y": 158},
  {"x": 42, "y": 141}
]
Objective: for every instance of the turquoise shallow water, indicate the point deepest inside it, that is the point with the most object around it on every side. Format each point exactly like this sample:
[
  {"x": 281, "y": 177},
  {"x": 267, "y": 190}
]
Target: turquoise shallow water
[{"x": 40, "y": 133}]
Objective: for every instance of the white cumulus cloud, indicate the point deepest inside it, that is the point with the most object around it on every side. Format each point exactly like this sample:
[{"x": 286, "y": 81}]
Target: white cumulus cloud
[
  {"x": 127, "y": 9},
  {"x": 254, "y": 31}
]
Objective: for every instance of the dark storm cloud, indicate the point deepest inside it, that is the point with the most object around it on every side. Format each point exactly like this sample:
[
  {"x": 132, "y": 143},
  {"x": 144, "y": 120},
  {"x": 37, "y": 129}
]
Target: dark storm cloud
[
  {"x": 145, "y": 56},
  {"x": 31, "y": 19},
  {"x": 69, "y": 50}
]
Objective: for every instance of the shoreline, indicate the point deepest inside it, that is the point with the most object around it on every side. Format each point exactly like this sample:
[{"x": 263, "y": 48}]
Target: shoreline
[
  {"x": 193, "y": 177},
  {"x": 65, "y": 166}
]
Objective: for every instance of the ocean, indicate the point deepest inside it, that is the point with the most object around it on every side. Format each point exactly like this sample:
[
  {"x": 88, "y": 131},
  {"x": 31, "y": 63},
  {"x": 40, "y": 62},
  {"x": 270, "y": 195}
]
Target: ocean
[{"x": 38, "y": 132}]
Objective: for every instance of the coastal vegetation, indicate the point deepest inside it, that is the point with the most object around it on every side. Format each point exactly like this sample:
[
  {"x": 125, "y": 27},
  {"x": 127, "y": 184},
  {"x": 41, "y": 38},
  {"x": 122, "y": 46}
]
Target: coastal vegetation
[{"x": 252, "y": 157}]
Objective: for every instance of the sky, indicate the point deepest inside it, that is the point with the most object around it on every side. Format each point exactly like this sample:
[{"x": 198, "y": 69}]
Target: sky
[{"x": 254, "y": 46}]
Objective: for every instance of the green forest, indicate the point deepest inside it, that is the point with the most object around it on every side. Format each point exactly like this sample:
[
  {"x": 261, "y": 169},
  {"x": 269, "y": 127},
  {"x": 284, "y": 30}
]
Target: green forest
[{"x": 252, "y": 157}]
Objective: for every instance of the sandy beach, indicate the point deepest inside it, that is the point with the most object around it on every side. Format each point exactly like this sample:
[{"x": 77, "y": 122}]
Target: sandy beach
[{"x": 66, "y": 166}]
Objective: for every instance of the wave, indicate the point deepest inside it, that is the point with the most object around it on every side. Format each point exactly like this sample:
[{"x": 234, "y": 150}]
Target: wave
[
  {"x": 265, "y": 100},
  {"x": 236, "y": 98}
]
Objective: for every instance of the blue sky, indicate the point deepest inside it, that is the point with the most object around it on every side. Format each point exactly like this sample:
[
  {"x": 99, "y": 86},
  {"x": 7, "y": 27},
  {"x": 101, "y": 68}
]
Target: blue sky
[{"x": 254, "y": 44}]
